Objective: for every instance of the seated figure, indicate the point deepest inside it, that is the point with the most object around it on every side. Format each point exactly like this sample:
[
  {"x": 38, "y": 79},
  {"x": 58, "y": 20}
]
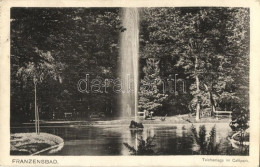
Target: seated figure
[{"x": 148, "y": 114}]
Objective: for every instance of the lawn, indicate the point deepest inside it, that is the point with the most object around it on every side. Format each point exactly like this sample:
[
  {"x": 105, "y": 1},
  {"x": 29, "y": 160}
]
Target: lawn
[{"x": 179, "y": 119}]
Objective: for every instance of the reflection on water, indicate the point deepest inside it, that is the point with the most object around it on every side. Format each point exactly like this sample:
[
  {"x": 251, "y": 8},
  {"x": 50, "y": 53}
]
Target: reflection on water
[{"x": 108, "y": 140}]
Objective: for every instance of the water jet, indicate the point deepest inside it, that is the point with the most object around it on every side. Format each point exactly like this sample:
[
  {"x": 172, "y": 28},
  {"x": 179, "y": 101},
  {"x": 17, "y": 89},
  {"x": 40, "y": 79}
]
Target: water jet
[{"x": 129, "y": 53}]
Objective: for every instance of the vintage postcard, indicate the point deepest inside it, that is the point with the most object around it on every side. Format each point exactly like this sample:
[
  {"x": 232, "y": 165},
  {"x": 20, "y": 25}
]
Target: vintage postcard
[{"x": 129, "y": 83}]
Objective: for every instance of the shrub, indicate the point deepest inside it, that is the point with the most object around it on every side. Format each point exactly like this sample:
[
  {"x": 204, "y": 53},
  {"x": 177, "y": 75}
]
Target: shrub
[{"x": 145, "y": 147}]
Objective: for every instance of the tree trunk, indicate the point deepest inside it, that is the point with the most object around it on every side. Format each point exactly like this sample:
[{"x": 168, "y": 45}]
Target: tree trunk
[
  {"x": 212, "y": 103},
  {"x": 35, "y": 101},
  {"x": 198, "y": 90},
  {"x": 198, "y": 100},
  {"x": 38, "y": 120}
]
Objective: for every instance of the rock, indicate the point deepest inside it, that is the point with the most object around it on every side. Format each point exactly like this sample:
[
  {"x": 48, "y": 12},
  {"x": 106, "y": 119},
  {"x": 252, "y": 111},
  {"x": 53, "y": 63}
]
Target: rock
[{"x": 134, "y": 124}]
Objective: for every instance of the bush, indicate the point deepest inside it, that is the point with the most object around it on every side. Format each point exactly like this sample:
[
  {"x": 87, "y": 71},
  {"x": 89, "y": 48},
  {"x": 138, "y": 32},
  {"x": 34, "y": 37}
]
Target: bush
[
  {"x": 143, "y": 148},
  {"x": 207, "y": 146}
]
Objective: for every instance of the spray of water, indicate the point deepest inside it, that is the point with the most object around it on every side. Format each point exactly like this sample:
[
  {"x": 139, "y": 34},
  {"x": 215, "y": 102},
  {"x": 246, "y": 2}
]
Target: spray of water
[{"x": 129, "y": 52}]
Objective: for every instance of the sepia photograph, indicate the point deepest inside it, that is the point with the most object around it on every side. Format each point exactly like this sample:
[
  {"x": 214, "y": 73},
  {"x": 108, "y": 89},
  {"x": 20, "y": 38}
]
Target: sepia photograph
[{"x": 130, "y": 82}]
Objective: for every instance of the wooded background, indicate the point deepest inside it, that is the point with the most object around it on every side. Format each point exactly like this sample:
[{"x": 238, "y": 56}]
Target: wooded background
[{"x": 53, "y": 48}]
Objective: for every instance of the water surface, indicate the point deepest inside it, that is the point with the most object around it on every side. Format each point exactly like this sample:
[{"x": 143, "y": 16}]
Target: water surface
[{"x": 108, "y": 140}]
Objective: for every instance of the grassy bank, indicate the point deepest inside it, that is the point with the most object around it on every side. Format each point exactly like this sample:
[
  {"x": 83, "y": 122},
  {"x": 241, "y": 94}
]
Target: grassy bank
[
  {"x": 31, "y": 143},
  {"x": 181, "y": 119}
]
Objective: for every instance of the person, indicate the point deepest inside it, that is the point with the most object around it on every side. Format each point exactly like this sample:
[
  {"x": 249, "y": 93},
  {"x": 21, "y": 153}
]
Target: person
[
  {"x": 146, "y": 114},
  {"x": 151, "y": 115}
]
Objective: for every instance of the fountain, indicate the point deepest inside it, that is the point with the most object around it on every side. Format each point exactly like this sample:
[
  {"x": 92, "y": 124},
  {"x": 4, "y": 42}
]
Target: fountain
[{"x": 129, "y": 52}]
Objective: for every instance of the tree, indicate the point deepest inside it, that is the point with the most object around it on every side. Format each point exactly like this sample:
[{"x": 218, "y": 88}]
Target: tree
[
  {"x": 36, "y": 72},
  {"x": 156, "y": 46},
  {"x": 204, "y": 58},
  {"x": 185, "y": 33},
  {"x": 200, "y": 34},
  {"x": 84, "y": 40},
  {"x": 204, "y": 45},
  {"x": 237, "y": 49},
  {"x": 151, "y": 96}
]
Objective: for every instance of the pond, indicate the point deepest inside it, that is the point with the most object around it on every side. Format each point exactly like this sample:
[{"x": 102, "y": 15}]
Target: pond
[{"x": 109, "y": 139}]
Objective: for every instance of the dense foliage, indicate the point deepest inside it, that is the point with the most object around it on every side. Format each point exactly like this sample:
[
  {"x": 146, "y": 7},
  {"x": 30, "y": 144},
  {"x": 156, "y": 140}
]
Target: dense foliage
[
  {"x": 150, "y": 97},
  {"x": 81, "y": 41},
  {"x": 194, "y": 59},
  {"x": 209, "y": 47}
]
